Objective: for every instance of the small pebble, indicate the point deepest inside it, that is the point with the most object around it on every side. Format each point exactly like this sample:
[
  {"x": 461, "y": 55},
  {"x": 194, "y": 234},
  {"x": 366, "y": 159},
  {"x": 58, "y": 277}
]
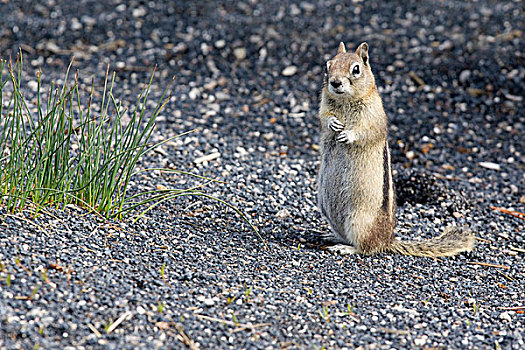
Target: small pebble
[
  {"x": 505, "y": 316},
  {"x": 490, "y": 165},
  {"x": 239, "y": 53},
  {"x": 289, "y": 71}
]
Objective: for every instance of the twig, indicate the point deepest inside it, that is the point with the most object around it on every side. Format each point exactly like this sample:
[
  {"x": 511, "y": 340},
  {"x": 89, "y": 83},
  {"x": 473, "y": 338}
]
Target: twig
[
  {"x": 489, "y": 265},
  {"x": 512, "y": 308},
  {"x": 506, "y": 276},
  {"x": 394, "y": 331},
  {"x": 262, "y": 102},
  {"x": 185, "y": 339},
  {"x": 510, "y": 212},
  {"x": 124, "y": 316},
  {"x": 482, "y": 239},
  {"x": 416, "y": 78},
  {"x": 353, "y": 316},
  {"x": 519, "y": 250},
  {"x": 86, "y": 248},
  {"x": 94, "y": 330},
  {"x": 27, "y": 48}
]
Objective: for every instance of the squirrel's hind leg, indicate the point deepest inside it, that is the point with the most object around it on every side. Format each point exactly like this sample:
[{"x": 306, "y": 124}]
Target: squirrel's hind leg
[{"x": 342, "y": 249}]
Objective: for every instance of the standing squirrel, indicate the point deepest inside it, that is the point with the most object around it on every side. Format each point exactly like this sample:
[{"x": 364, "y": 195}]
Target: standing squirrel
[{"x": 355, "y": 189}]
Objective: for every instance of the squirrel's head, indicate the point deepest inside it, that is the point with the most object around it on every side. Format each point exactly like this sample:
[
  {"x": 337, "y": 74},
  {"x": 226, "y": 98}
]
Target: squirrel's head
[{"x": 348, "y": 74}]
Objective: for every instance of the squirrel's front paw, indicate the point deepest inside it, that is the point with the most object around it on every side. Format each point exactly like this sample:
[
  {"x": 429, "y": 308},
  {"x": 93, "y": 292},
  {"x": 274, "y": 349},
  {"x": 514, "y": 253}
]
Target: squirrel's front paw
[
  {"x": 346, "y": 136},
  {"x": 335, "y": 124}
]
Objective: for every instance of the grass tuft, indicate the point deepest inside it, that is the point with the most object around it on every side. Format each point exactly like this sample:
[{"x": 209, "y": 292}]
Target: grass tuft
[
  {"x": 324, "y": 313},
  {"x": 59, "y": 150}
]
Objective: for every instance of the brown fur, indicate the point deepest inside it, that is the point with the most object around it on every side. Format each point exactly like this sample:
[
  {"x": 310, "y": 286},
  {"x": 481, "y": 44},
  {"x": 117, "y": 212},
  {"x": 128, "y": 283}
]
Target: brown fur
[{"x": 380, "y": 236}]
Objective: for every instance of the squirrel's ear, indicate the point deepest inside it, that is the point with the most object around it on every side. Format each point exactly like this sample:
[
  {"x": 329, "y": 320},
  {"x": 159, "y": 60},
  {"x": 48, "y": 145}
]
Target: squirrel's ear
[
  {"x": 362, "y": 51},
  {"x": 342, "y": 48}
]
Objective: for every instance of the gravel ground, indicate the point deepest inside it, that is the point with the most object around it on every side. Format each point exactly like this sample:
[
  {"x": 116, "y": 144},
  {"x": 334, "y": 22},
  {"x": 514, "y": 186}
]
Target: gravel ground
[{"x": 247, "y": 77}]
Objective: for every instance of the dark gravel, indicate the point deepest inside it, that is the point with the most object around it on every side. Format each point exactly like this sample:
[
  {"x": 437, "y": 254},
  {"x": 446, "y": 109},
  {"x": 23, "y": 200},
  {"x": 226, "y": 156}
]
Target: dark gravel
[{"x": 247, "y": 76}]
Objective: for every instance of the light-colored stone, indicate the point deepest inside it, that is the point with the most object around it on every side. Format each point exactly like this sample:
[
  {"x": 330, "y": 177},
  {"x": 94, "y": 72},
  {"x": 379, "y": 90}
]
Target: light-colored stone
[
  {"x": 240, "y": 53},
  {"x": 289, "y": 71}
]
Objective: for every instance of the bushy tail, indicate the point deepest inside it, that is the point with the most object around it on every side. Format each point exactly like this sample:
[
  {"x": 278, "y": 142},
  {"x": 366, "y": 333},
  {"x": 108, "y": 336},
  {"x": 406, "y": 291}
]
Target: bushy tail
[{"x": 451, "y": 242}]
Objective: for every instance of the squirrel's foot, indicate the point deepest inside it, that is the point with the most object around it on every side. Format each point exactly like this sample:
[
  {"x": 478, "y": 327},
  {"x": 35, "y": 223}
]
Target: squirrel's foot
[
  {"x": 342, "y": 249},
  {"x": 335, "y": 124},
  {"x": 346, "y": 136}
]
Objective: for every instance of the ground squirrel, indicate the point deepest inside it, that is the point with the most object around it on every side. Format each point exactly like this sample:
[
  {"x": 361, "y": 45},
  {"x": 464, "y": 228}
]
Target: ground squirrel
[{"x": 355, "y": 189}]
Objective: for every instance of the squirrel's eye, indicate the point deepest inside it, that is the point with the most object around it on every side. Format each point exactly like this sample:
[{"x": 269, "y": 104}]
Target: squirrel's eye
[{"x": 355, "y": 70}]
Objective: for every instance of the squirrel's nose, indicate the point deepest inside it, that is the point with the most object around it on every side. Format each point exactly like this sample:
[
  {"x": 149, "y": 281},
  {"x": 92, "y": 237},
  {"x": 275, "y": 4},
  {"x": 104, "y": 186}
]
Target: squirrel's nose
[{"x": 336, "y": 83}]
